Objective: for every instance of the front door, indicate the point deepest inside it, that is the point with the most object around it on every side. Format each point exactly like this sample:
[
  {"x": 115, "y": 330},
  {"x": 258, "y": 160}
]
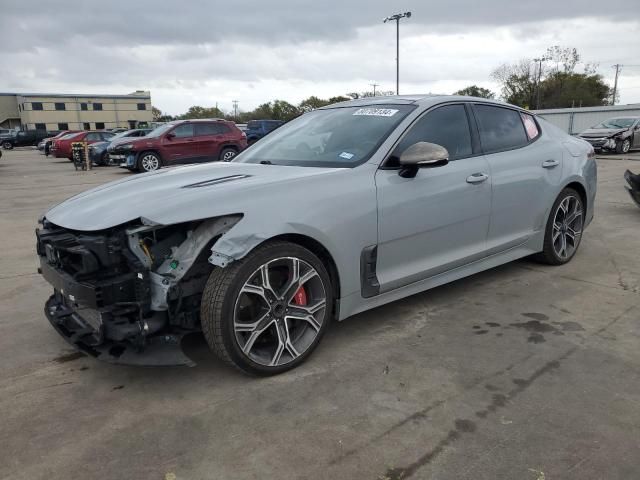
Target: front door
[
  {"x": 438, "y": 220},
  {"x": 180, "y": 147}
]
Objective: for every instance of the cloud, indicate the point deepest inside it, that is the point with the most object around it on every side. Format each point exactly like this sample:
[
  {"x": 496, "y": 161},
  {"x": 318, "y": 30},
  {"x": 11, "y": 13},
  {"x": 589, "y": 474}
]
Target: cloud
[{"x": 202, "y": 52}]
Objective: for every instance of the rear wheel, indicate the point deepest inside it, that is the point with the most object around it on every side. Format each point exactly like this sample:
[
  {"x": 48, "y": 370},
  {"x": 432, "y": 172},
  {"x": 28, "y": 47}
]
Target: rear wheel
[
  {"x": 227, "y": 154},
  {"x": 266, "y": 313},
  {"x": 149, "y": 162},
  {"x": 7, "y": 145},
  {"x": 564, "y": 229}
]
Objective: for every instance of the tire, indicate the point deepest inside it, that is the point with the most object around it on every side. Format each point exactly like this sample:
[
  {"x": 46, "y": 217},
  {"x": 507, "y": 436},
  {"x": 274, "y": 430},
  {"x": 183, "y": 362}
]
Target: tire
[
  {"x": 104, "y": 159},
  {"x": 227, "y": 154},
  {"x": 149, "y": 162},
  {"x": 568, "y": 206},
  {"x": 624, "y": 146},
  {"x": 226, "y": 307},
  {"x": 46, "y": 150},
  {"x": 7, "y": 145}
]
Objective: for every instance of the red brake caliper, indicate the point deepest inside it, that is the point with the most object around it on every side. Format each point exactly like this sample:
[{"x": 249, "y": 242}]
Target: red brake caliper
[{"x": 300, "y": 298}]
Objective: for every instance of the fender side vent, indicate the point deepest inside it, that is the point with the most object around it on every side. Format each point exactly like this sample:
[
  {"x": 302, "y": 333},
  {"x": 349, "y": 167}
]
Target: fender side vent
[
  {"x": 216, "y": 181},
  {"x": 369, "y": 285}
]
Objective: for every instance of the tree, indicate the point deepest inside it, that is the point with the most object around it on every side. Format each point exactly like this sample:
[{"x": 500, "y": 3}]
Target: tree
[
  {"x": 553, "y": 81},
  {"x": 475, "y": 91},
  {"x": 158, "y": 116},
  {"x": 312, "y": 103},
  {"x": 197, "y": 111}
]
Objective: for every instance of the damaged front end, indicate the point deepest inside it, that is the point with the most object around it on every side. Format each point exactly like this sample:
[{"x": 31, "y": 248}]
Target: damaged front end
[
  {"x": 633, "y": 186},
  {"x": 129, "y": 294}
]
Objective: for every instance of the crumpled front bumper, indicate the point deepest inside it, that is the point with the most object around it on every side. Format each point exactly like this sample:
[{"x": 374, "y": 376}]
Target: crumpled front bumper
[{"x": 87, "y": 334}]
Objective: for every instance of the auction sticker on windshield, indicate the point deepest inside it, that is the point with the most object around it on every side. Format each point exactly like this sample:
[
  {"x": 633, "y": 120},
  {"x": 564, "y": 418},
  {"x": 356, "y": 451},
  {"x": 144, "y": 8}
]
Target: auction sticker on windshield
[{"x": 376, "y": 112}]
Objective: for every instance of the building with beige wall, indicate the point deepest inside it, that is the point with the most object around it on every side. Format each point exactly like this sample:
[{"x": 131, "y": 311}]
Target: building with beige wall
[{"x": 30, "y": 111}]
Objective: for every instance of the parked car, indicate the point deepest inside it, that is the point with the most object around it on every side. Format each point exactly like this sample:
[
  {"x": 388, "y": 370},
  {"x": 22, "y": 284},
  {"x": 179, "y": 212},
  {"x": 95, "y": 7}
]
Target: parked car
[
  {"x": 614, "y": 135},
  {"x": 180, "y": 142},
  {"x": 256, "y": 129},
  {"x": 633, "y": 186},
  {"x": 5, "y": 132},
  {"x": 61, "y": 148},
  {"x": 45, "y": 143},
  {"x": 23, "y": 138},
  {"x": 341, "y": 210},
  {"x": 98, "y": 151}
]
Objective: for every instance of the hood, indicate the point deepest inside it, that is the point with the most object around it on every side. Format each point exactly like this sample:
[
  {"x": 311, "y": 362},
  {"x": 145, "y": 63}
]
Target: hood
[
  {"x": 180, "y": 194},
  {"x": 602, "y": 132}
]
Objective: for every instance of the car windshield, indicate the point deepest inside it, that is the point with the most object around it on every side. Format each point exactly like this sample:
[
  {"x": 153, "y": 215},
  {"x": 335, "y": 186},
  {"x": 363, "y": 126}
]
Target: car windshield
[
  {"x": 335, "y": 137},
  {"x": 156, "y": 132},
  {"x": 126, "y": 133},
  {"x": 616, "y": 123}
]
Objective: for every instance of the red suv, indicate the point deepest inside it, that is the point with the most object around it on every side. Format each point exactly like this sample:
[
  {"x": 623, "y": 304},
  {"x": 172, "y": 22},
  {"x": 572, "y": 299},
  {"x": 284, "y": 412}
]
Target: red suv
[
  {"x": 180, "y": 142},
  {"x": 61, "y": 147}
]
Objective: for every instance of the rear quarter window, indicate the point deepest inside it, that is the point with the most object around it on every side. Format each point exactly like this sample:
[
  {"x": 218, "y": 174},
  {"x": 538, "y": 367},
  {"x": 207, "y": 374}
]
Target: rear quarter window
[{"x": 500, "y": 128}]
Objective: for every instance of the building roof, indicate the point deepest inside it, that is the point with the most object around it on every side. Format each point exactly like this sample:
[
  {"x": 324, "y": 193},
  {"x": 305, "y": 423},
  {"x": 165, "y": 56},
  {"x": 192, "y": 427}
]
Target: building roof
[{"x": 137, "y": 95}]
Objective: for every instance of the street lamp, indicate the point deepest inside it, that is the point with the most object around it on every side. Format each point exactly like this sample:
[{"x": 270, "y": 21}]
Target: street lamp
[{"x": 397, "y": 18}]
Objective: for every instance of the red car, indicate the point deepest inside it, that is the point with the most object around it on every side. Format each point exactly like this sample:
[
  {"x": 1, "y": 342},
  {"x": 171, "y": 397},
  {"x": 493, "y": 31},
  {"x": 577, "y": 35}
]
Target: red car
[
  {"x": 61, "y": 147},
  {"x": 180, "y": 142},
  {"x": 45, "y": 143}
]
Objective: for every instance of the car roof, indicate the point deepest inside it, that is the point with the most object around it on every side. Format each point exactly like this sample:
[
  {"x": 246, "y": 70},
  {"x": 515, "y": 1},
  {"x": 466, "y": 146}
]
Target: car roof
[{"x": 424, "y": 100}]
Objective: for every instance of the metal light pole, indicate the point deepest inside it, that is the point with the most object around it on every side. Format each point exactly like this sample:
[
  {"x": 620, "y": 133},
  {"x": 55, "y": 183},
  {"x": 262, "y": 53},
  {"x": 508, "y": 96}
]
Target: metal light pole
[{"x": 397, "y": 18}]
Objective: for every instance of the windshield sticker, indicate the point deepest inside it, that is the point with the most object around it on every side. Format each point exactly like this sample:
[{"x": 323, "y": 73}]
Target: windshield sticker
[
  {"x": 346, "y": 155},
  {"x": 376, "y": 112}
]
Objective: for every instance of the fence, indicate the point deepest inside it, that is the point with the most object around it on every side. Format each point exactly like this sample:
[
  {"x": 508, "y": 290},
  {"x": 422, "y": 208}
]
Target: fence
[{"x": 576, "y": 120}]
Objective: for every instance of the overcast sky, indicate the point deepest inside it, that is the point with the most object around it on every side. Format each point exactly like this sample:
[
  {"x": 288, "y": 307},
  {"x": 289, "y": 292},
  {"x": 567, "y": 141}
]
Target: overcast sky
[{"x": 201, "y": 52}]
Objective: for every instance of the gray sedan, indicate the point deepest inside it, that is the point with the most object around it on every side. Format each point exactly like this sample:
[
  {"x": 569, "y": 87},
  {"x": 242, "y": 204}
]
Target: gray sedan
[{"x": 339, "y": 211}]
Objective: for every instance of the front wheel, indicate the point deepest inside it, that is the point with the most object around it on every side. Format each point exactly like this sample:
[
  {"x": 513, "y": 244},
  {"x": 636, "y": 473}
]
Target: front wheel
[
  {"x": 564, "y": 229},
  {"x": 149, "y": 162},
  {"x": 623, "y": 146},
  {"x": 266, "y": 313},
  {"x": 7, "y": 145}
]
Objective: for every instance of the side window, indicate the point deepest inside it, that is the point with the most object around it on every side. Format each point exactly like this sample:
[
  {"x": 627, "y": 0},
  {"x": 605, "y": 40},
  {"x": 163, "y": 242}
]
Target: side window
[
  {"x": 447, "y": 126},
  {"x": 106, "y": 135},
  {"x": 183, "y": 131},
  {"x": 500, "y": 128},
  {"x": 530, "y": 126},
  {"x": 92, "y": 137},
  {"x": 203, "y": 129}
]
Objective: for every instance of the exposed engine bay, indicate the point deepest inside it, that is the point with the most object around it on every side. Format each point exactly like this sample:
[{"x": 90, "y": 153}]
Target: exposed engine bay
[{"x": 130, "y": 288}]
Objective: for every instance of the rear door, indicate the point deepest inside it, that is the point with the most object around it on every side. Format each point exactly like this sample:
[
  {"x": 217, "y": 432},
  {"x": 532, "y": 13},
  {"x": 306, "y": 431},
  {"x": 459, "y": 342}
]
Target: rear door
[
  {"x": 439, "y": 219},
  {"x": 526, "y": 170},
  {"x": 180, "y": 147},
  {"x": 210, "y": 138}
]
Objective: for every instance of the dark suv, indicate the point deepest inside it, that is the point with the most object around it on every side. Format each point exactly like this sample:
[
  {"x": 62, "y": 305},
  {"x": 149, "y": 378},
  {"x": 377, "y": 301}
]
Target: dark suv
[
  {"x": 256, "y": 129},
  {"x": 23, "y": 138},
  {"x": 180, "y": 142}
]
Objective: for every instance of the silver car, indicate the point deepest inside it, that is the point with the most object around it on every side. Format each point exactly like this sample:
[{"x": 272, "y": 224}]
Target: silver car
[{"x": 339, "y": 211}]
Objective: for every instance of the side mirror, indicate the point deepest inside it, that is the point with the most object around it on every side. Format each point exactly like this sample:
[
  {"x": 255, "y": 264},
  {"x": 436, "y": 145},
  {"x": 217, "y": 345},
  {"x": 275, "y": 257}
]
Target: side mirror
[
  {"x": 170, "y": 136},
  {"x": 422, "y": 155}
]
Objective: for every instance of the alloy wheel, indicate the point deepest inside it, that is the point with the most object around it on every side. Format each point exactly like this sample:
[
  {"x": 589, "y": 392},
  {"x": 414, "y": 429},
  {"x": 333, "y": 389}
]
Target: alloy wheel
[
  {"x": 626, "y": 146},
  {"x": 228, "y": 155},
  {"x": 150, "y": 163},
  {"x": 279, "y": 311},
  {"x": 567, "y": 227}
]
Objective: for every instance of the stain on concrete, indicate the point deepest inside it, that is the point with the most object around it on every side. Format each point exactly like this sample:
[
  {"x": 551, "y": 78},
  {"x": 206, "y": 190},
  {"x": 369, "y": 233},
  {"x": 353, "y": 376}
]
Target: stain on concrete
[
  {"x": 69, "y": 357},
  {"x": 498, "y": 401},
  {"x": 492, "y": 324},
  {"x": 465, "y": 426},
  {"x": 480, "y": 332},
  {"x": 117, "y": 387},
  {"x": 491, "y": 388},
  {"x": 536, "y": 338},
  {"x": 536, "y": 316},
  {"x": 569, "y": 326}
]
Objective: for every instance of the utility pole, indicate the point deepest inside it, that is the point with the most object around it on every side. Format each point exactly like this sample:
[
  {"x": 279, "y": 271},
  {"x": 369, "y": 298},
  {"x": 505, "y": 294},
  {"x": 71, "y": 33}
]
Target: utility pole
[
  {"x": 235, "y": 109},
  {"x": 617, "y": 66},
  {"x": 397, "y": 18},
  {"x": 374, "y": 85},
  {"x": 539, "y": 60}
]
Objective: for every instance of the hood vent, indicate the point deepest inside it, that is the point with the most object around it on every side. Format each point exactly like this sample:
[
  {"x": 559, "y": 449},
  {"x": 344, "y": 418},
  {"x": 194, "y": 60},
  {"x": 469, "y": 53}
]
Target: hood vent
[{"x": 216, "y": 181}]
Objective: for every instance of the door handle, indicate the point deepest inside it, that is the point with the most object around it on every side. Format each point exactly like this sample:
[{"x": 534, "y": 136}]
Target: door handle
[
  {"x": 550, "y": 163},
  {"x": 477, "y": 178}
]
